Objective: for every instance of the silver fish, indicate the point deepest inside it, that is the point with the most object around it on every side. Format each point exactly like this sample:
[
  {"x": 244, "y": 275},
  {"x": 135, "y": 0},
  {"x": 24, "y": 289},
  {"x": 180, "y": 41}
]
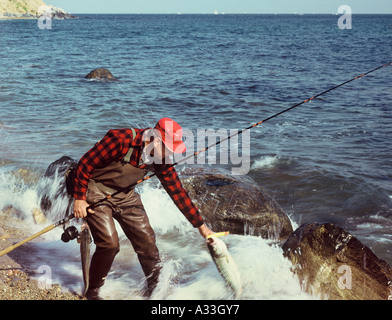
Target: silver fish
[
  {"x": 225, "y": 264},
  {"x": 85, "y": 241}
]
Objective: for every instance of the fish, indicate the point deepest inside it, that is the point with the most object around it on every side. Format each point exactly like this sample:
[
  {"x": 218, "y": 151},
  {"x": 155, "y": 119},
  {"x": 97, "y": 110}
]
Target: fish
[
  {"x": 84, "y": 240},
  {"x": 225, "y": 264}
]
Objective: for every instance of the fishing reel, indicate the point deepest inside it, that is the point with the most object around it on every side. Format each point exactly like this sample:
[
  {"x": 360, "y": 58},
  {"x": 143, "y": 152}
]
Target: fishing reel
[{"x": 69, "y": 233}]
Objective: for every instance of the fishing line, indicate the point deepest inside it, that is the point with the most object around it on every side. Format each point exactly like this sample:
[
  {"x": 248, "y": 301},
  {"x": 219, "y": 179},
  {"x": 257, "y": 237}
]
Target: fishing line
[
  {"x": 71, "y": 216},
  {"x": 241, "y": 131}
]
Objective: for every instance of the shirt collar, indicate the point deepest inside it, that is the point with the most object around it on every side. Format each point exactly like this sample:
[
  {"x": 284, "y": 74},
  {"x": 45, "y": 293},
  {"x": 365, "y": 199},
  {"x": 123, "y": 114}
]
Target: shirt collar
[{"x": 138, "y": 140}]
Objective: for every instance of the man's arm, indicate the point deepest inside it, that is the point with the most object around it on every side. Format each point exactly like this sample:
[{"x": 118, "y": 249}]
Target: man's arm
[{"x": 173, "y": 186}]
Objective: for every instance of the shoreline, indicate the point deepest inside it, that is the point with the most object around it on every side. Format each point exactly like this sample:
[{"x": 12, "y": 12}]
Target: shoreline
[
  {"x": 56, "y": 14},
  {"x": 16, "y": 280},
  {"x": 17, "y": 18}
]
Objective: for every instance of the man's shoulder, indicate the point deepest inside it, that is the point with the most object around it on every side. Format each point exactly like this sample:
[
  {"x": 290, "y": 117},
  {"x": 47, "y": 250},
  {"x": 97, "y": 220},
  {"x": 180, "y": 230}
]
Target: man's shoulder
[
  {"x": 125, "y": 133},
  {"x": 122, "y": 132},
  {"x": 128, "y": 136}
]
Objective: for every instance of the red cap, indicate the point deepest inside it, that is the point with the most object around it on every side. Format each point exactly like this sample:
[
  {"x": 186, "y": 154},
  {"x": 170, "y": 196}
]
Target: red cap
[{"x": 171, "y": 133}]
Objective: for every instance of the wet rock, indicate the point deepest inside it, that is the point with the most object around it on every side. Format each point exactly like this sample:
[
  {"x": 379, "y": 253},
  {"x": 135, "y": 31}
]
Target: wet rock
[
  {"x": 26, "y": 176},
  {"x": 52, "y": 188},
  {"x": 60, "y": 166},
  {"x": 333, "y": 264},
  {"x": 236, "y": 204},
  {"x": 38, "y": 216},
  {"x": 4, "y": 236},
  {"x": 36, "y": 213},
  {"x": 101, "y": 74}
]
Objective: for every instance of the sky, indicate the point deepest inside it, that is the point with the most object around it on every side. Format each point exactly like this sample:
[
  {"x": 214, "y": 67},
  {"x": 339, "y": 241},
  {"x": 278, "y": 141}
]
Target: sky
[{"x": 222, "y": 6}]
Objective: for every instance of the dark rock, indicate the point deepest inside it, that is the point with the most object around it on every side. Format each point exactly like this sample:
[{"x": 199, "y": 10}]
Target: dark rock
[
  {"x": 333, "y": 264},
  {"x": 60, "y": 166},
  {"x": 101, "y": 74},
  {"x": 62, "y": 15},
  {"x": 236, "y": 204},
  {"x": 52, "y": 186}
]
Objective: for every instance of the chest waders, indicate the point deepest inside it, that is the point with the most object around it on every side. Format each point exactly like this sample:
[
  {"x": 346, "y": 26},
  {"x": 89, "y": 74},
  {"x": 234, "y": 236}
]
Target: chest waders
[{"x": 127, "y": 209}]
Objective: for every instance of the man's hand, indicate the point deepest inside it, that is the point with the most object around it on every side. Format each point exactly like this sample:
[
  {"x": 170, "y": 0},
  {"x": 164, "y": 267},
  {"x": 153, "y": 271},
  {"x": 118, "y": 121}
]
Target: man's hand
[
  {"x": 80, "y": 209},
  {"x": 205, "y": 231}
]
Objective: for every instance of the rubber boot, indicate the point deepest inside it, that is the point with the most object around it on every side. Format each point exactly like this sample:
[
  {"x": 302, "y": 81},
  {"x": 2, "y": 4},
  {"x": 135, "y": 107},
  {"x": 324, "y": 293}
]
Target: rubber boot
[
  {"x": 101, "y": 263},
  {"x": 93, "y": 294}
]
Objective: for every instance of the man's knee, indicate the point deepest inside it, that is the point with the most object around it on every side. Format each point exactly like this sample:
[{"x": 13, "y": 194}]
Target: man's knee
[{"x": 109, "y": 247}]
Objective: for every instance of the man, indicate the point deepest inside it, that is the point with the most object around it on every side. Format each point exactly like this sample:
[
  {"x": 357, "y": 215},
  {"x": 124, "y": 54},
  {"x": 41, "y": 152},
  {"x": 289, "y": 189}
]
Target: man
[{"x": 120, "y": 159}]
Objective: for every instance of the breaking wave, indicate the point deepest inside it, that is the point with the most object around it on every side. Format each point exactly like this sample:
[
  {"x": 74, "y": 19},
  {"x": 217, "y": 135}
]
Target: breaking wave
[{"x": 188, "y": 270}]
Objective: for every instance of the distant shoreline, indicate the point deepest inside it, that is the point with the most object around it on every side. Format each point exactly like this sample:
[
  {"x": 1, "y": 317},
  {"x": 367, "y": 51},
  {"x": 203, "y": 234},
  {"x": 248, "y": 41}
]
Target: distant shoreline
[
  {"x": 16, "y": 18},
  {"x": 56, "y": 14},
  {"x": 78, "y": 15},
  {"x": 232, "y": 14},
  {"x": 29, "y": 18}
]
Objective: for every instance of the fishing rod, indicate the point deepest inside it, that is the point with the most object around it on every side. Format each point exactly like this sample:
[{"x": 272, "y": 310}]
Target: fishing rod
[
  {"x": 71, "y": 216},
  {"x": 45, "y": 230},
  {"x": 241, "y": 131}
]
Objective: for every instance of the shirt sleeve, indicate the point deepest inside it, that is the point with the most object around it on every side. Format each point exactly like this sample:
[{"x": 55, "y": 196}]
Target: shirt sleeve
[
  {"x": 173, "y": 186},
  {"x": 103, "y": 153}
]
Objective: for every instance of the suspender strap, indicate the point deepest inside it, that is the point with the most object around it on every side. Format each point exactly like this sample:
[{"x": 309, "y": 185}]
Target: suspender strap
[{"x": 127, "y": 157}]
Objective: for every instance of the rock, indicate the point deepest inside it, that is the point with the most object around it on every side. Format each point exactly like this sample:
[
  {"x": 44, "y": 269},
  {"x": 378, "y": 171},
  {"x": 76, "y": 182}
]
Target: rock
[
  {"x": 59, "y": 167},
  {"x": 38, "y": 216},
  {"x": 333, "y": 264},
  {"x": 58, "y": 13},
  {"x": 3, "y": 235},
  {"x": 36, "y": 213},
  {"x": 12, "y": 212},
  {"x": 31, "y": 9},
  {"x": 101, "y": 74},
  {"x": 53, "y": 190},
  {"x": 26, "y": 176},
  {"x": 236, "y": 204}
]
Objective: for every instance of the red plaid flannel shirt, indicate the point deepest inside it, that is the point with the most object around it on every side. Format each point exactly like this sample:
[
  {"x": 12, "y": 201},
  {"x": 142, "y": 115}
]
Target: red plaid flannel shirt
[{"x": 113, "y": 147}]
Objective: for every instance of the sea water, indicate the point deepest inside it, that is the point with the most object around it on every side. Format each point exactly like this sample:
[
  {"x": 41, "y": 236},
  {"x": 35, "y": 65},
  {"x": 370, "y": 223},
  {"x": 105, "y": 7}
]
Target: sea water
[
  {"x": 326, "y": 161},
  {"x": 188, "y": 271}
]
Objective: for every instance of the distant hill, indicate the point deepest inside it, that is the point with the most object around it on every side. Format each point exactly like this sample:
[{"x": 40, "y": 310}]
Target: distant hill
[{"x": 28, "y": 9}]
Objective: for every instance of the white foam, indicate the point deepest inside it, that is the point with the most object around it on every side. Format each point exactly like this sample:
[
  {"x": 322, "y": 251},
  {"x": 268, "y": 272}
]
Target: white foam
[
  {"x": 265, "y": 271},
  {"x": 15, "y": 193},
  {"x": 163, "y": 214},
  {"x": 384, "y": 239},
  {"x": 188, "y": 270},
  {"x": 370, "y": 225},
  {"x": 265, "y": 162}
]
